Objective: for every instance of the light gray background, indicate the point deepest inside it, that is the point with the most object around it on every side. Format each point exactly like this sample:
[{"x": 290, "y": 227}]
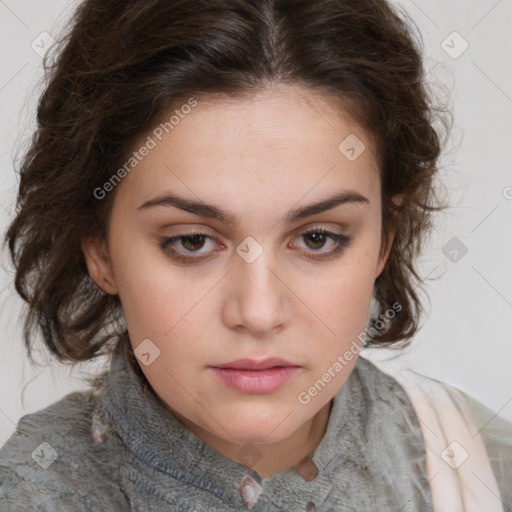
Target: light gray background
[{"x": 466, "y": 339}]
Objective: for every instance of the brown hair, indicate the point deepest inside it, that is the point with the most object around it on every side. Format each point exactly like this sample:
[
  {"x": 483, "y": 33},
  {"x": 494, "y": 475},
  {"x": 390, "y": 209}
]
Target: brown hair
[{"x": 121, "y": 65}]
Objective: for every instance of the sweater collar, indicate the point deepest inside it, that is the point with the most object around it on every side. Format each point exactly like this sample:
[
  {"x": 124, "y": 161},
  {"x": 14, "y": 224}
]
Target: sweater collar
[{"x": 129, "y": 407}]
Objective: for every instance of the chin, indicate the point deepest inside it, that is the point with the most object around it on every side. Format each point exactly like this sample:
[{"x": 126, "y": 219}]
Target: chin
[
  {"x": 254, "y": 435},
  {"x": 242, "y": 428}
]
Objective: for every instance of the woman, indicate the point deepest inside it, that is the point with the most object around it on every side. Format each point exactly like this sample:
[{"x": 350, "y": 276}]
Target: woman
[{"x": 216, "y": 193}]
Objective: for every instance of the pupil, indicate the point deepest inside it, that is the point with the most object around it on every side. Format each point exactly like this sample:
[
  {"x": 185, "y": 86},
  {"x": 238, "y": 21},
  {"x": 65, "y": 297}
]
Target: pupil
[
  {"x": 195, "y": 240},
  {"x": 320, "y": 238}
]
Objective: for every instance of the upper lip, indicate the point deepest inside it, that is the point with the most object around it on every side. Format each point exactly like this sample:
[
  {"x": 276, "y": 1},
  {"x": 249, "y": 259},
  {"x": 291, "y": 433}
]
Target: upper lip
[{"x": 253, "y": 364}]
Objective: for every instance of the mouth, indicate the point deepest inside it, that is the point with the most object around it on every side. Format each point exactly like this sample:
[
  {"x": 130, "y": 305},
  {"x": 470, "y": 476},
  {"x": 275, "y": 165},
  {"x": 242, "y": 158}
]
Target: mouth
[
  {"x": 255, "y": 377},
  {"x": 253, "y": 364}
]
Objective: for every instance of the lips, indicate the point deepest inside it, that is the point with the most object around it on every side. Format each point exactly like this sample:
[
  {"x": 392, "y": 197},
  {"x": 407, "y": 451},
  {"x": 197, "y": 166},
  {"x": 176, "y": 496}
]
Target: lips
[
  {"x": 253, "y": 364},
  {"x": 255, "y": 377}
]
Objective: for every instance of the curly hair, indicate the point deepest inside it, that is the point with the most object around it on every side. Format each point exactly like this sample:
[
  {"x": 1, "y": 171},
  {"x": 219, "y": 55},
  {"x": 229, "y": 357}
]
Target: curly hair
[{"x": 121, "y": 64}]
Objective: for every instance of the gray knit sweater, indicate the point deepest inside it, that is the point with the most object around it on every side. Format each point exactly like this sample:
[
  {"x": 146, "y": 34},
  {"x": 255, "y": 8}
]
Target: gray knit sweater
[{"x": 121, "y": 450}]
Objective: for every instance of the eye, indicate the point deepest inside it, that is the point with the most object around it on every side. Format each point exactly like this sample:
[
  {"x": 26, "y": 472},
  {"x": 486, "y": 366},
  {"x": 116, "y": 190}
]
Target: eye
[
  {"x": 316, "y": 239},
  {"x": 192, "y": 243}
]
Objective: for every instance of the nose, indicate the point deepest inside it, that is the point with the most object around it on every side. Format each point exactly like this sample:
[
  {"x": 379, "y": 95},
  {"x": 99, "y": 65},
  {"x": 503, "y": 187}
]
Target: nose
[{"x": 259, "y": 297}]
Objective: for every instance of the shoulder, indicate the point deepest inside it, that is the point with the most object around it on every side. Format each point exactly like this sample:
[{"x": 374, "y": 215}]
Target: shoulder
[
  {"x": 496, "y": 433},
  {"x": 51, "y": 463},
  {"x": 463, "y": 438},
  {"x": 389, "y": 410},
  {"x": 387, "y": 397},
  {"x": 380, "y": 384}
]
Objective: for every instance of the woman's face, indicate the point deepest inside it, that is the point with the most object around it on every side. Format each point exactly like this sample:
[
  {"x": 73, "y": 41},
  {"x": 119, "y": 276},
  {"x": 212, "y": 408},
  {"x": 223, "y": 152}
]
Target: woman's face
[{"x": 249, "y": 283}]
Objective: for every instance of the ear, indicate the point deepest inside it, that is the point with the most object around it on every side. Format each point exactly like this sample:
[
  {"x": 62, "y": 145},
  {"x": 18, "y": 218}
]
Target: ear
[
  {"x": 386, "y": 249},
  {"x": 384, "y": 254},
  {"x": 99, "y": 264}
]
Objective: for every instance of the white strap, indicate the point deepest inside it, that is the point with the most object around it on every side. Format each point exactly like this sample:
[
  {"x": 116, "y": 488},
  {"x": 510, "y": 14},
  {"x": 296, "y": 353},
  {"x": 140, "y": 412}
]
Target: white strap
[{"x": 459, "y": 472}]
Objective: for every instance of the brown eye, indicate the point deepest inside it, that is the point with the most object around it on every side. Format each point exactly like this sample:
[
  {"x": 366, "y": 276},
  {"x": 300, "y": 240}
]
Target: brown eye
[
  {"x": 190, "y": 242},
  {"x": 193, "y": 242},
  {"x": 187, "y": 248},
  {"x": 316, "y": 238}
]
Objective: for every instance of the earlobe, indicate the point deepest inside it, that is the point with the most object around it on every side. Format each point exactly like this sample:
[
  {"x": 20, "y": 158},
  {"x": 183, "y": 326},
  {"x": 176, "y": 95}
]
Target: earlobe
[{"x": 99, "y": 264}]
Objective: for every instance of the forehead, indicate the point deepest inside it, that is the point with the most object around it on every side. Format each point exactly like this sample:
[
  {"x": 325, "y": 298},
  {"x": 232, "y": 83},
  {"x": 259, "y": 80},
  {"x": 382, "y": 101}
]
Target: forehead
[{"x": 279, "y": 142}]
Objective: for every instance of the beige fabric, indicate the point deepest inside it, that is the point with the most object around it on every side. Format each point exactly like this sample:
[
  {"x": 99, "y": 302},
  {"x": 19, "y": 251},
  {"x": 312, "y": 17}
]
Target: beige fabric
[{"x": 459, "y": 471}]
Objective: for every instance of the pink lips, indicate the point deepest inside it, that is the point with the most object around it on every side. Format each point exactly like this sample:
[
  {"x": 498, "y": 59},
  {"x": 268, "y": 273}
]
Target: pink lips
[{"x": 251, "y": 376}]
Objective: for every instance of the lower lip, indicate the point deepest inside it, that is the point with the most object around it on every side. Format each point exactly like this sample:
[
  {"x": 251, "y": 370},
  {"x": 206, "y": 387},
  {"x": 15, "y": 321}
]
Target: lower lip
[{"x": 256, "y": 381}]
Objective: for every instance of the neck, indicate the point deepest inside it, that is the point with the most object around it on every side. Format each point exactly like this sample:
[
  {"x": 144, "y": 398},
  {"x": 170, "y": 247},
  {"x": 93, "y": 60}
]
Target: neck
[{"x": 272, "y": 458}]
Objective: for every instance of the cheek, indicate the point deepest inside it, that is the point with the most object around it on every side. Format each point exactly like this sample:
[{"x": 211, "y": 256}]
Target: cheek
[
  {"x": 153, "y": 295},
  {"x": 154, "y": 292},
  {"x": 344, "y": 300},
  {"x": 349, "y": 289},
  {"x": 158, "y": 308}
]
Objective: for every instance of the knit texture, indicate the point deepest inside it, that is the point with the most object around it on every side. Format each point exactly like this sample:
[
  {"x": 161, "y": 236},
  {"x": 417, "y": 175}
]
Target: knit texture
[{"x": 371, "y": 458}]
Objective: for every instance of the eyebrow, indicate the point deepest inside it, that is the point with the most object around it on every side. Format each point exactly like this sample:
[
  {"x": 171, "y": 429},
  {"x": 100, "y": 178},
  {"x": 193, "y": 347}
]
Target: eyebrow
[{"x": 210, "y": 211}]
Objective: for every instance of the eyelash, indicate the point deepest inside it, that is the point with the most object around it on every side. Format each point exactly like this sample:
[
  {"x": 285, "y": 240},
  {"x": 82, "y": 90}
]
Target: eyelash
[{"x": 342, "y": 243}]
